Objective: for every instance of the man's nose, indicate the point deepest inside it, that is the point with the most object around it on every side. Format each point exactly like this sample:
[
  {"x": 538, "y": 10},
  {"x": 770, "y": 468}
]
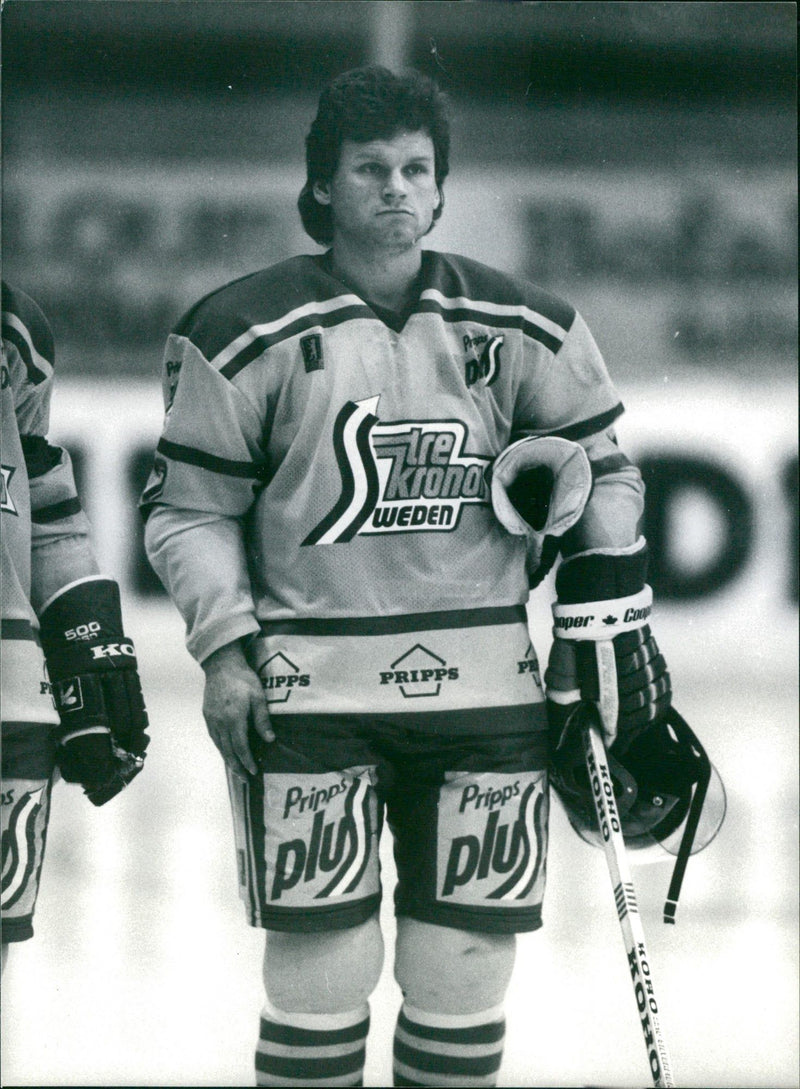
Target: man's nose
[{"x": 395, "y": 184}]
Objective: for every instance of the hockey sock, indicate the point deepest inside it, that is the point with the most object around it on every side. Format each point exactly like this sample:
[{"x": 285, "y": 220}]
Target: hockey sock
[
  {"x": 312, "y": 1049},
  {"x": 448, "y": 1049}
]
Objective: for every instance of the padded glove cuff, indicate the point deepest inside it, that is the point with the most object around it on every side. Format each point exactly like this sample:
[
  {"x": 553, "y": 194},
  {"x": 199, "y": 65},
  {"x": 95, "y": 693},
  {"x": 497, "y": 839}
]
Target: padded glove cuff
[
  {"x": 602, "y": 574},
  {"x": 81, "y": 630}
]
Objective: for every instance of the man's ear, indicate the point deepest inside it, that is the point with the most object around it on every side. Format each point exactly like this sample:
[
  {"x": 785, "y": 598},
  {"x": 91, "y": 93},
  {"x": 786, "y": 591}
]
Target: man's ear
[{"x": 322, "y": 192}]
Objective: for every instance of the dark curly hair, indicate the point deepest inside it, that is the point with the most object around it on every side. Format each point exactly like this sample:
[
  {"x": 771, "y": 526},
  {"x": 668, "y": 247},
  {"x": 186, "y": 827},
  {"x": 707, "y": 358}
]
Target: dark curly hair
[{"x": 365, "y": 104}]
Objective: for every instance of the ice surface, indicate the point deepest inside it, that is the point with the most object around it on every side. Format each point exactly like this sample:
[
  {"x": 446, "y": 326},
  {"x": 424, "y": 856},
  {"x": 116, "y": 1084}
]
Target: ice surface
[{"x": 143, "y": 971}]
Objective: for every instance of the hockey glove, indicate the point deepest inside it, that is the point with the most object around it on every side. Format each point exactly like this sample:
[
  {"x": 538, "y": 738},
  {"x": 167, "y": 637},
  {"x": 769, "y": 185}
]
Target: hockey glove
[
  {"x": 602, "y": 597},
  {"x": 96, "y": 687},
  {"x": 539, "y": 489}
]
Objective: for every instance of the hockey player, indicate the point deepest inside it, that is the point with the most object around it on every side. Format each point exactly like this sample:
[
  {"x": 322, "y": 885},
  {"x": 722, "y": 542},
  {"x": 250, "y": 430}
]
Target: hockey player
[
  {"x": 354, "y": 576},
  {"x": 71, "y": 697}
]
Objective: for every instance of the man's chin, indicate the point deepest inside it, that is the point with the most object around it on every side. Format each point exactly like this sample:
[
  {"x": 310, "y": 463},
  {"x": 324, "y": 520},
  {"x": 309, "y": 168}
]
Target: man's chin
[{"x": 399, "y": 231}]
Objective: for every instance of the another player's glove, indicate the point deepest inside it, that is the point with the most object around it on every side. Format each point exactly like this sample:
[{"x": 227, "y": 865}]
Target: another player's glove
[
  {"x": 96, "y": 687},
  {"x": 602, "y": 596},
  {"x": 539, "y": 489}
]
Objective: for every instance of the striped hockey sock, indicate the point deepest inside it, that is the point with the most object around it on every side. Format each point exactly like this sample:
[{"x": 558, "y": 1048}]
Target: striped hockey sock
[
  {"x": 312, "y": 1049},
  {"x": 448, "y": 1049}
]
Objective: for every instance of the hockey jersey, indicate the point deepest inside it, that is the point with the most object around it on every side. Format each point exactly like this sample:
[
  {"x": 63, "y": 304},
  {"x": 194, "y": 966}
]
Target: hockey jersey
[
  {"x": 321, "y": 481},
  {"x": 45, "y": 535}
]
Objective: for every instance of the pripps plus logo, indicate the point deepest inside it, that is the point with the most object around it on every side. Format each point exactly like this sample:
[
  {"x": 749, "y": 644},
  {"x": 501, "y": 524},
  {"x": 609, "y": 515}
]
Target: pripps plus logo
[
  {"x": 325, "y": 845},
  {"x": 20, "y": 818},
  {"x": 402, "y": 477},
  {"x": 486, "y": 366},
  {"x": 492, "y": 831}
]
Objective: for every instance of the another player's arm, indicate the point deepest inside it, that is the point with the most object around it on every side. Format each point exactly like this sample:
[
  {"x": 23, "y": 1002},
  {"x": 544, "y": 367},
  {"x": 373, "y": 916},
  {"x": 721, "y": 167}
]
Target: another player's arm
[
  {"x": 61, "y": 549},
  {"x": 91, "y": 663},
  {"x": 61, "y": 545},
  {"x": 208, "y": 467}
]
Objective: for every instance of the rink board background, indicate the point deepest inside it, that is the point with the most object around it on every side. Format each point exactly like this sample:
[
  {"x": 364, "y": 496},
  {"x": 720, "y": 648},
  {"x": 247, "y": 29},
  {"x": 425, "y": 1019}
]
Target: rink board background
[{"x": 143, "y": 971}]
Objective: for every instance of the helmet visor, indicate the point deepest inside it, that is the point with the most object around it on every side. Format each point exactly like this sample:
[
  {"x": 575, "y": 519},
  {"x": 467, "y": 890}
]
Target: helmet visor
[
  {"x": 654, "y": 824},
  {"x": 643, "y": 829}
]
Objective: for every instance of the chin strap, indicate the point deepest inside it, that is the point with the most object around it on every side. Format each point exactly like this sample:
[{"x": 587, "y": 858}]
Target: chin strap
[{"x": 692, "y": 819}]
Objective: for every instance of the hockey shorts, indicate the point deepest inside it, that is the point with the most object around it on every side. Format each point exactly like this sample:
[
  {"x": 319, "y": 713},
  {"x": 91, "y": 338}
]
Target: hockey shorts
[
  {"x": 469, "y": 817},
  {"x": 28, "y": 762}
]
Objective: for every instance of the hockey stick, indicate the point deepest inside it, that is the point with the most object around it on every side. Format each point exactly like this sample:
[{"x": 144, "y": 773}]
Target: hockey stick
[{"x": 608, "y": 820}]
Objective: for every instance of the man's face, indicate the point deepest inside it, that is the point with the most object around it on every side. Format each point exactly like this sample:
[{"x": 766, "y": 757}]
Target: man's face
[{"x": 383, "y": 193}]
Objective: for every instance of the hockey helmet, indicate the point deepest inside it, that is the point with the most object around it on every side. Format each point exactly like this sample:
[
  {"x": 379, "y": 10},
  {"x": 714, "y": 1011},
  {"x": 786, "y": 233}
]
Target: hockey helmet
[{"x": 670, "y": 797}]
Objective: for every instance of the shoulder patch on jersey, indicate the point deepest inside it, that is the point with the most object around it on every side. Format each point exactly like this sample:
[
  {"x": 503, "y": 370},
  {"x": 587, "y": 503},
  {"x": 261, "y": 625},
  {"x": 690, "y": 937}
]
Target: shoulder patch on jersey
[
  {"x": 236, "y": 323},
  {"x": 27, "y": 329},
  {"x": 311, "y": 347},
  {"x": 483, "y": 361},
  {"x": 460, "y": 289},
  {"x": 314, "y": 315}
]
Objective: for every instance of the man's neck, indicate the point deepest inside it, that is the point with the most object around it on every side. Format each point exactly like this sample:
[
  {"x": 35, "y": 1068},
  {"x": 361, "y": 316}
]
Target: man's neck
[{"x": 386, "y": 279}]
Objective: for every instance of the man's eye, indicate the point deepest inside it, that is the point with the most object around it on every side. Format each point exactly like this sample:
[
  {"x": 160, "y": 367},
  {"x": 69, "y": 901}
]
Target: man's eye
[
  {"x": 416, "y": 168},
  {"x": 370, "y": 168}
]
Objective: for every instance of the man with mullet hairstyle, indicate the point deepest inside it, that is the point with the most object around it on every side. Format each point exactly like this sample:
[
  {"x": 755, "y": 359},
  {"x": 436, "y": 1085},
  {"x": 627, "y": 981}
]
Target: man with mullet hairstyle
[{"x": 370, "y": 456}]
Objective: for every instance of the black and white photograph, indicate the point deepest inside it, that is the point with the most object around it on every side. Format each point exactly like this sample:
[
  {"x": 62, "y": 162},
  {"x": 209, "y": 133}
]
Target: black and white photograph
[{"x": 400, "y": 540}]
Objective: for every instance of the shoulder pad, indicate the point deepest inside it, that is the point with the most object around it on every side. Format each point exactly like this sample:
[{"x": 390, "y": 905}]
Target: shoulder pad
[{"x": 28, "y": 330}]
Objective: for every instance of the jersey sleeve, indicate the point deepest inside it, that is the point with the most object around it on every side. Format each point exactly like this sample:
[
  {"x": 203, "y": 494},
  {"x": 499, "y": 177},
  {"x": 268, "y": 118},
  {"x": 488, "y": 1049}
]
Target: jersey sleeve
[
  {"x": 612, "y": 515},
  {"x": 61, "y": 547},
  {"x": 208, "y": 469},
  {"x": 30, "y": 354},
  {"x": 61, "y": 543},
  {"x": 568, "y": 393}
]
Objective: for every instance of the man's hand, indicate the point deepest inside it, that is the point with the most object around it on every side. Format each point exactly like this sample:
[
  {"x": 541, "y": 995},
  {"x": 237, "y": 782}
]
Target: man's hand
[{"x": 233, "y": 702}]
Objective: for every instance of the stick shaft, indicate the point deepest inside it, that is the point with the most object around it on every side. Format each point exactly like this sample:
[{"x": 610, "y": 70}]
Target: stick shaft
[{"x": 625, "y": 896}]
